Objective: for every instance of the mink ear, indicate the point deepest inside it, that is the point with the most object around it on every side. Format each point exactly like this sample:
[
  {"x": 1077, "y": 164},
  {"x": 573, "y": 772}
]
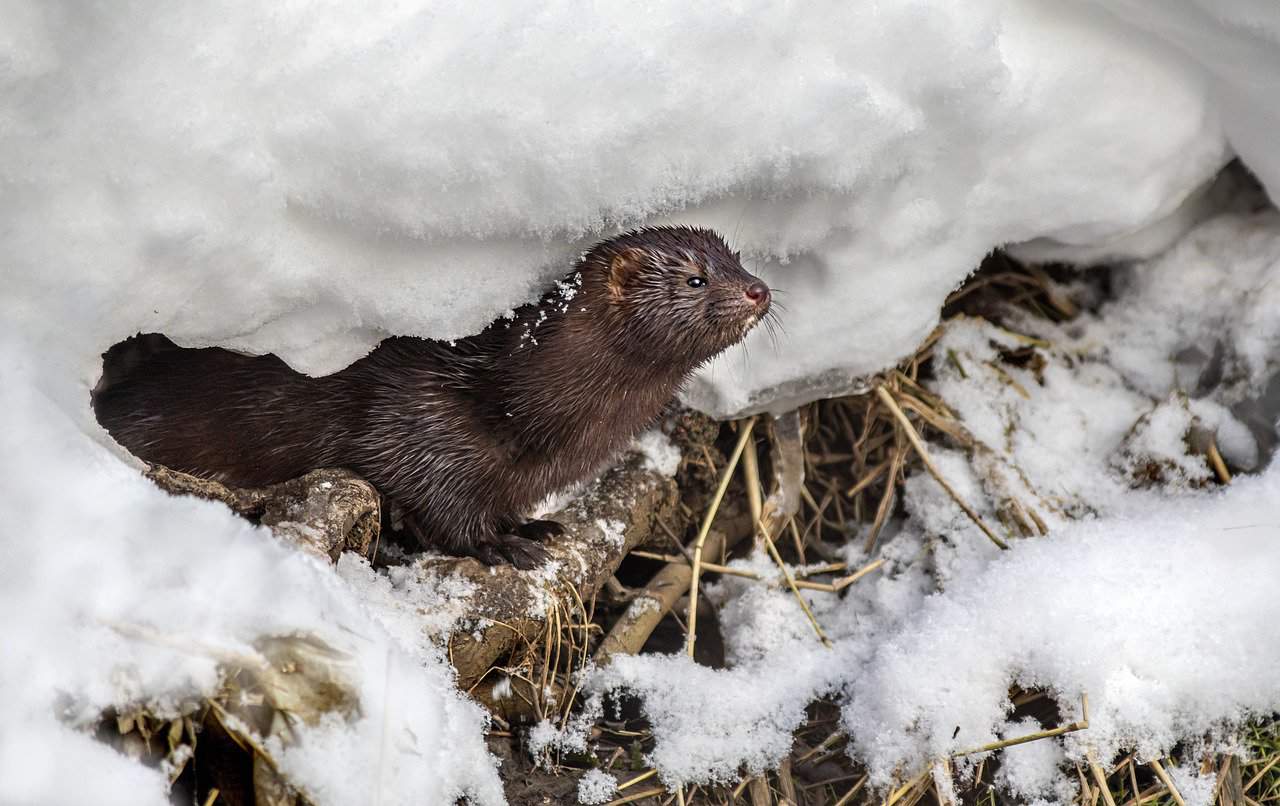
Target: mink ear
[{"x": 623, "y": 266}]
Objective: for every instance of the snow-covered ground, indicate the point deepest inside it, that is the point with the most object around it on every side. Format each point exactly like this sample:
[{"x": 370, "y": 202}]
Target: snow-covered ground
[
  {"x": 1152, "y": 600},
  {"x": 306, "y": 178}
]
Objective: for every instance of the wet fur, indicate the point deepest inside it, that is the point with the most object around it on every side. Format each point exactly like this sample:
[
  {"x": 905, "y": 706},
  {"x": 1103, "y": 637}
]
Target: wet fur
[{"x": 467, "y": 437}]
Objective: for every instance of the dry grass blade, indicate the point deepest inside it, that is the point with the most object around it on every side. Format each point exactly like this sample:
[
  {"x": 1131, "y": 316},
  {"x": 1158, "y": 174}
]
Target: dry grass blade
[
  {"x": 751, "y": 469},
  {"x": 759, "y": 793},
  {"x": 848, "y": 796},
  {"x": 1100, "y": 777},
  {"x": 644, "y": 776},
  {"x": 918, "y": 444},
  {"x": 629, "y": 633},
  {"x": 1158, "y": 769},
  {"x": 1030, "y": 737},
  {"x": 905, "y": 788},
  {"x": 844, "y": 582},
  {"x": 725, "y": 476},
  {"x": 786, "y": 784},
  {"x": 823, "y": 747},
  {"x": 1230, "y": 782},
  {"x": 235, "y": 729},
  {"x": 867, "y": 480},
  {"x": 633, "y": 797},
  {"x": 791, "y": 583},
  {"x": 1133, "y": 781},
  {"x": 825, "y": 568},
  {"x": 1008, "y": 379},
  {"x": 1258, "y": 777},
  {"x": 745, "y": 573},
  {"x": 886, "y": 501},
  {"x": 1219, "y": 466},
  {"x": 943, "y": 422},
  {"x": 1081, "y": 724}
]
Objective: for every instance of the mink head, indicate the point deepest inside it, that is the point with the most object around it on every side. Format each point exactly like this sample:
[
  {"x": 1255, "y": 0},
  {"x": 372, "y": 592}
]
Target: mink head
[{"x": 679, "y": 293}]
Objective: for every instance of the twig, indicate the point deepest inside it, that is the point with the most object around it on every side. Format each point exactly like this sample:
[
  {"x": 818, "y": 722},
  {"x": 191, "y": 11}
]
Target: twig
[
  {"x": 891, "y": 404},
  {"x": 725, "y": 477},
  {"x": 213, "y": 796}
]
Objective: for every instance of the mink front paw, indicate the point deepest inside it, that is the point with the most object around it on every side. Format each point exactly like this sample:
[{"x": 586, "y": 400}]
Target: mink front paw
[
  {"x": 521, "y": 552},
  {"x": 540, "y": 530}
]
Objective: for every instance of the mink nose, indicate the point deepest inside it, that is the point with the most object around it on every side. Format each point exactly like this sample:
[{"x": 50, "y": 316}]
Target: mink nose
[{"x": 758, "y": 293}]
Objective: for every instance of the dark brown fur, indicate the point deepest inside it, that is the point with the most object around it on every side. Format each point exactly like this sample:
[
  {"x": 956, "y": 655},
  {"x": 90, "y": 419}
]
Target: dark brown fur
[{"x": 466, "y": 437}]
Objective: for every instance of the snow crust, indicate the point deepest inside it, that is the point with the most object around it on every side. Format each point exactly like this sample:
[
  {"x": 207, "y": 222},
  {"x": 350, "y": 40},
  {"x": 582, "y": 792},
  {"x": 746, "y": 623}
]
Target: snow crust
[
  {"x": 1149, "y": 598},
  {"x": 307, "y": 179}
]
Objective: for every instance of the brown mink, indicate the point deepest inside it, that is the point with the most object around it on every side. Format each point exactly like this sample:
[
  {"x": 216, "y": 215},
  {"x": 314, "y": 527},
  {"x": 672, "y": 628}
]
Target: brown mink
[{"x": 466, "y": 437}]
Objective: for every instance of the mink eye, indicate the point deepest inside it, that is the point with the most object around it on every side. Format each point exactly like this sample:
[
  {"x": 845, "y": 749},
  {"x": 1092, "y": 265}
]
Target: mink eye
[{"x": 696, "y": 281}]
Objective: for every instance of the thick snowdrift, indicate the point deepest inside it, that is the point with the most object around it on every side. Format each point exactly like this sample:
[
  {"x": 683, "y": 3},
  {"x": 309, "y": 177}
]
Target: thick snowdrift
[
  {"x": 115, "y": 594},
  {"x": 308, "y": 178}
]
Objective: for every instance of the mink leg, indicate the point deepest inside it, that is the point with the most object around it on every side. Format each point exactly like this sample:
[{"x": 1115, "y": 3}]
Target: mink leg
[
  {"x": 508, "y": 549},
  {"x": 539, "y": 530},
  {"x": 500, "y": 548}
]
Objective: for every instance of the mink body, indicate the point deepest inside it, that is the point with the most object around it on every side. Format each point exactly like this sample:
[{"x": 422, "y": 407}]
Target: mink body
[{"x": 466, "y": 437}]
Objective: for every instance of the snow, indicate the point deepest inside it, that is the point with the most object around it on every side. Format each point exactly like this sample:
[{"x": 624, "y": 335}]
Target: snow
[
  {"x": 613, "y": 531},
  {"x": 1128, "y": 624},
  {"x": 596, "y": 786},
  {"x": 661, "y": 455},
  {"x": 1148, "y": 599},
  {"x": 117, "y": 594},
  {"x": 864, "y": 159},
  {"x": 1033, "y": 770},
  {"x": 1163, "y": 672},
  {"x": 307, "y": 178},
  {"x": 1196, "y": 789}
]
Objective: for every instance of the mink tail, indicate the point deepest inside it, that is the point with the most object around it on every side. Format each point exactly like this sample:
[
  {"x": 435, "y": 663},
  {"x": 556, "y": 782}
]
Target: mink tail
[{"x": 209, "y": 412}]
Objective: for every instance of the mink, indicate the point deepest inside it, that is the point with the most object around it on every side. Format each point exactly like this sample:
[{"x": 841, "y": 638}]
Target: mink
[{"x": 465, "y": 437}]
